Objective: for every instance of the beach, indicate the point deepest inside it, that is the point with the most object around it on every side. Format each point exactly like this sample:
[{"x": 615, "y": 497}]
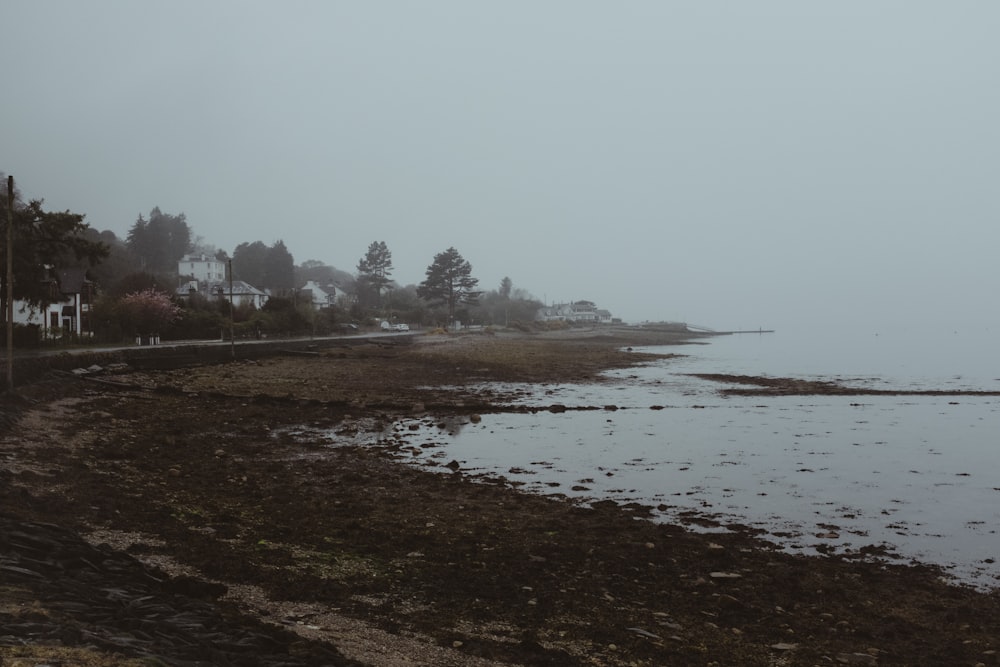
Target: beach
[{"x": 212, "y": 525}]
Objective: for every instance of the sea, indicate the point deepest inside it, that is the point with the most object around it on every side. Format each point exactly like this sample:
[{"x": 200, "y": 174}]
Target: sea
[{"x": 913, "y": 479}]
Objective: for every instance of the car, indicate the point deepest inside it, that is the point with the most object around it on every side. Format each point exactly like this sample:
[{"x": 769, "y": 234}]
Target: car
[{"x": 401, "y": 327}]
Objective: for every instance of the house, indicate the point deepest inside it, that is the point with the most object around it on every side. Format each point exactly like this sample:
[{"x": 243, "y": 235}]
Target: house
[
  {"x": 207, "y": 276},
  {"x": 69, "y": 311},
  {"x": 241, "y": 293},
  {"x": 202, "y": 268},
  {"x": 322, "y": 296},
  {"x": 575, "y": 311}
]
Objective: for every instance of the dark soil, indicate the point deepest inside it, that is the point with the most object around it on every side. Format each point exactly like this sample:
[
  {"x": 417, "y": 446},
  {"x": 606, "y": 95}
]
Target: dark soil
[{"x": 202, "y": 466}]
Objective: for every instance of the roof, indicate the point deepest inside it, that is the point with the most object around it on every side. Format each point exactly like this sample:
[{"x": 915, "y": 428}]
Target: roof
[{"x": 71, "y": 281}]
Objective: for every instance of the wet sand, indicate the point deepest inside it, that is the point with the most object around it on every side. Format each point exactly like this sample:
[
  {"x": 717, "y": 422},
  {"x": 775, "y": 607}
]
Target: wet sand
[{"x": 231, "y": 541}]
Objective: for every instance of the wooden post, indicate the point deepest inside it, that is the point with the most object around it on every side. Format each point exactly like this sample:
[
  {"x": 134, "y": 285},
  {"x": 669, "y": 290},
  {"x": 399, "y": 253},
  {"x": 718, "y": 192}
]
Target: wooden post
[
  {"x": 232, "y": 313},
  {"x": 10, "y": 283}
]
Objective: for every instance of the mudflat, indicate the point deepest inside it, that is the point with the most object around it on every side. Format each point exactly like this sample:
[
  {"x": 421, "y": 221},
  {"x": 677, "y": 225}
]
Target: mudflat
[{"x": 188, "y": 517}]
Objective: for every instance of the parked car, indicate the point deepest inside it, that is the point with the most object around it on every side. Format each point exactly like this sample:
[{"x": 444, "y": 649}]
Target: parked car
[{"x": 401, "y": 327}]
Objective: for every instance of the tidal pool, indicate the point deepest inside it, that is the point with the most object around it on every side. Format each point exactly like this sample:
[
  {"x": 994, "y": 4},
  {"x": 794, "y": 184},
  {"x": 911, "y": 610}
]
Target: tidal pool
[
  {"x": 834, "y": 475},
  {"x": 914, "y": 476}
]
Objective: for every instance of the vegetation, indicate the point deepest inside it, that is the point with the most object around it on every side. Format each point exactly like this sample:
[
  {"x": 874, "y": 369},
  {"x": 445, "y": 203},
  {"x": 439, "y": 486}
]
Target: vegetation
[
  {"x": 136, "y": 283},
  {"x": 43, "y": 240},
  {"x": 449, "y": 282},
  {"x": 374, "y": 271},
  {"x": 159, "y": 242},
  {"x": 148, "y": 311}
]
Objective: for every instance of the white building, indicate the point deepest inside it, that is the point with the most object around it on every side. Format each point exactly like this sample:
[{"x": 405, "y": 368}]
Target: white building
[
  {"x": 577, "y": 311},
  {"x": 69, "y": 311},
  {"x": 322, "y": 296},
  {"x": 202, "y": 268},
  {"x": 243, "y": 294}
]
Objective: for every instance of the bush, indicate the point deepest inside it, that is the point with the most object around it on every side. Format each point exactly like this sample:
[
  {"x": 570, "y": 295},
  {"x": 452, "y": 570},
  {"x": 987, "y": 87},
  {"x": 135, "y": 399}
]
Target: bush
[{"x": 25, "y": 335}]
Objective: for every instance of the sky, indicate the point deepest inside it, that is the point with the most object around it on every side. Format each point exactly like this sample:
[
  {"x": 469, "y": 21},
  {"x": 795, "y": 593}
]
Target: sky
[{"x": 731, "y": 165}]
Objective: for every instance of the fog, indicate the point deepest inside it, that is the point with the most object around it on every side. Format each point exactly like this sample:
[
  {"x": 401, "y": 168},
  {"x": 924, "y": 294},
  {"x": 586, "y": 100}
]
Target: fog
[{"x": 735, "y": 165}]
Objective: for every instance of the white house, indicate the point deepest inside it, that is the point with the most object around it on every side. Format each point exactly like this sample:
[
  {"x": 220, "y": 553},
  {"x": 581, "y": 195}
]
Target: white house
[
  {"x": 322, "y": 296},
  {"x": 576, "y": 311},
  {"x": 69, "y": 311},
  {"x": 243, "y": 294},
  {"x": 202, "y": 268}
]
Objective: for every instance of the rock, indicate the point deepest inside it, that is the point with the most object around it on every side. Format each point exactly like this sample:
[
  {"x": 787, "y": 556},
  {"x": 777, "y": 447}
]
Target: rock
[
  {"x": 784, "y": 646},
  {"x": 856, "y": 659},
  {"x": 643, "y": 633},
  {"x": 475, "y": 419}
]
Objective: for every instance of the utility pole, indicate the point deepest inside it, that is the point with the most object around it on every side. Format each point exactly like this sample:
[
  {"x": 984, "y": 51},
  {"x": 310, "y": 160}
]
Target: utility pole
[
  {"x": 10, "y": 283},
  {"x": 232, "y": 313}
]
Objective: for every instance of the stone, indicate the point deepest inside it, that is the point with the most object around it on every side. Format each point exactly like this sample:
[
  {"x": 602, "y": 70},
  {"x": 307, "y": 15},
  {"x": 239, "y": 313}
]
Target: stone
[{"x": 784, "y": 646}]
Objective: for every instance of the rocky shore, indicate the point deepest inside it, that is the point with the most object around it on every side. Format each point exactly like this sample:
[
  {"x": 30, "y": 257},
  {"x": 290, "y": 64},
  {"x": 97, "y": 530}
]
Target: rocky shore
[{"x": 186, "y": 517}]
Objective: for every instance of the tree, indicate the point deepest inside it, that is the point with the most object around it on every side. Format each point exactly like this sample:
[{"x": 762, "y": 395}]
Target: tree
[
  {"x": 279, "y": 269},
  {"x": 506, "y": 305},
  {"x": 323, "y": 274},
  {"x": 148, "y": 311},
  {"x": 449, "y": 281},
  {"x": 249, "y": 262},
  {"x": 159, "y": 242},
  {"x": 43, "y": 240},
  {"x": 375, "y": 269},
  {"x": 263, "y": 267}
]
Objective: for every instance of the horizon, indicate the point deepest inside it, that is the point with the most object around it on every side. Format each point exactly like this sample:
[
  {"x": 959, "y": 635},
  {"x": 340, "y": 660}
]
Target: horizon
[{"x": 739, "y": 167}]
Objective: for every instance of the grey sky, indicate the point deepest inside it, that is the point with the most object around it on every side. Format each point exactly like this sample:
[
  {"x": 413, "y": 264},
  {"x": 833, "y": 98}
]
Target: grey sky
[{"x": 730, "y": 164}]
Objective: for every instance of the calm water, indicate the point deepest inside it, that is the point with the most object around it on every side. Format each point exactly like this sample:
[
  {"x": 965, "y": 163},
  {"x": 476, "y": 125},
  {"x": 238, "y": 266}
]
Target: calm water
[{"x": 920, "y": 475}]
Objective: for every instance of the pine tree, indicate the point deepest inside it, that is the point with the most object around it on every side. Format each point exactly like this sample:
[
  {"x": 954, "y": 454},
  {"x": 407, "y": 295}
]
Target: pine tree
[
  {"x": 375, "y": 268},
  {"x": 449, "y": 281}
]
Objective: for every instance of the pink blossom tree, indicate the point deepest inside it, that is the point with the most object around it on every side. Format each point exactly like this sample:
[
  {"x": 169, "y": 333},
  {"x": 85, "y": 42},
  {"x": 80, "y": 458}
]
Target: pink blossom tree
[{"x": 147, "y": 311}]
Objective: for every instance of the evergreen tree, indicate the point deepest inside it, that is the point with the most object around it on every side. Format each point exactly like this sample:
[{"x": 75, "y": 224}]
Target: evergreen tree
[
  {"x": 159, "y": 242},
  {"x": 279, "y": 268},
  {"x": 249, "y": 262},
  {"x": 375, "y": 269},
  {"x": 449, "y": 281}
]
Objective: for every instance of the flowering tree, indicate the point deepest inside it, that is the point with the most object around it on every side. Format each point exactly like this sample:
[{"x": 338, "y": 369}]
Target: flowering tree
[{"x": 147, "y": 311}]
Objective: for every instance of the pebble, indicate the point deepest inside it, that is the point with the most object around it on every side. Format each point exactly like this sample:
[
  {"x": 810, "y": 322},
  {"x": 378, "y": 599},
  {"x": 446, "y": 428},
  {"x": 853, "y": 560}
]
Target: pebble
[
  {"x": 856, "y": 659},
  {"x": 784, "y": 646}
]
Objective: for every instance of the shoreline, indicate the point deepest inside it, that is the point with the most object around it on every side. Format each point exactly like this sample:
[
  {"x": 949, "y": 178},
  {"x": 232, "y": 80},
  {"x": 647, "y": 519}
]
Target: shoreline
[{"x": 191, "y": 470}]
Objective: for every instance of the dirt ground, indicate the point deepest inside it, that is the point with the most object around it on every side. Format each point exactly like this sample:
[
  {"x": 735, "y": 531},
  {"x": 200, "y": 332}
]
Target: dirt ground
[{"x": 184, "y": 517}]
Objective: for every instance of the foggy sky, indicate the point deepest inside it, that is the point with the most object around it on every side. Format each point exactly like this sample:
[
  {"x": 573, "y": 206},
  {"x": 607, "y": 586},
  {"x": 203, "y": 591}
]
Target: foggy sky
[{"x": 747, "y": 164}]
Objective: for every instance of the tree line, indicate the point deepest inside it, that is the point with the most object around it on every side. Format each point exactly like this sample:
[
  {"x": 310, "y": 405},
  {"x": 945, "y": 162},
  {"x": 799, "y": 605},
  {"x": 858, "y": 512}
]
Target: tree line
[{"x": 135, "y": 282}]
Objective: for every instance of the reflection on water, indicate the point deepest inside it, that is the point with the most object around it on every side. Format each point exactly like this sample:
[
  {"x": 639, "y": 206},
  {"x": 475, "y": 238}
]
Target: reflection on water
[{"x": 816, "y": 473}]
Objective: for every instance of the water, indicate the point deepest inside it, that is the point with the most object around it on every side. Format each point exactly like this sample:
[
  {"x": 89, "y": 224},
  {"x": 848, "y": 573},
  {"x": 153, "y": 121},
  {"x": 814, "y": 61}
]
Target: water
[{"x": 917, "y": 475}]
